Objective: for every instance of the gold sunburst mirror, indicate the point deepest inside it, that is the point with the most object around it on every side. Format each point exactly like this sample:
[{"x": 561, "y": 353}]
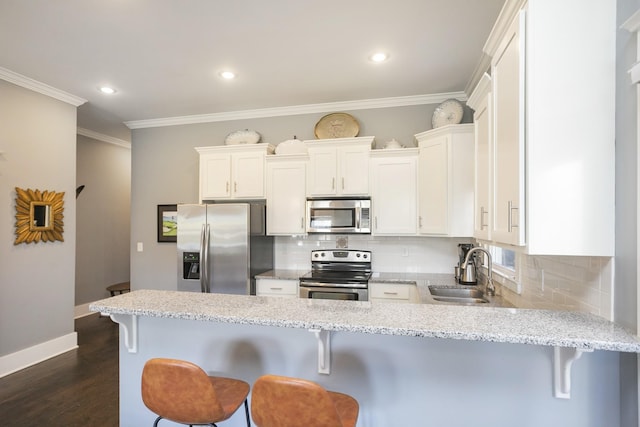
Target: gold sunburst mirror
[{"x": 39, "y": 216}]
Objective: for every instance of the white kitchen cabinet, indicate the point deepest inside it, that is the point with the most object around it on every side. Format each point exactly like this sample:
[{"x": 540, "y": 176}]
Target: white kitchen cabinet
[
  {"x": 445, "y": 184},
  {"x": 277, "y": 287},
  {"x": 393, "y": 292},
  {"x": 286, "y": 189},
  {"x": 394, "y": 192},
  {"x": 480, "y": 101},
  {"x": 339, "y": 167},
  {"x": 233, "y": 171},
  {"x": 508, "y": 219},
  {"x": 553, "y": 104}
]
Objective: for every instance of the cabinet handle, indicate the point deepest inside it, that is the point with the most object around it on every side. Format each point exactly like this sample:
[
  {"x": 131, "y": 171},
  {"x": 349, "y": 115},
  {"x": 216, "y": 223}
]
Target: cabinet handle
[
  {"x": 302, "y": 223},
  {"x": 227, "y": 187},
  {"x": 275, "y": 289},
  {"x": 420, "y": 221},
  {"x": 510, "y": 219},
  {"x": 235, "y": 186},
  {"x": 376, "y": 220},
  {"x": 343, "y": 183},
  {"x": 333, "y": 183},
  {"x": 391, "y": 293},
  {"x": 482, "y": 212}
]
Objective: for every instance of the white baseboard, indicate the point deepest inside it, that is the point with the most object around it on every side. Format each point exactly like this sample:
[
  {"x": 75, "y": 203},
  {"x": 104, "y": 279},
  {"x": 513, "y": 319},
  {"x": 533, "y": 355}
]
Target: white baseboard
[
  {"x": 82, "y": 310},
  {"x": 30, "y": 356}
]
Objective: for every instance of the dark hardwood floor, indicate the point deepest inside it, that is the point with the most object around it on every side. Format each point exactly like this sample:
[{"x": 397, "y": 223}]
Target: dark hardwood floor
[{"x": 77, "y": 388}]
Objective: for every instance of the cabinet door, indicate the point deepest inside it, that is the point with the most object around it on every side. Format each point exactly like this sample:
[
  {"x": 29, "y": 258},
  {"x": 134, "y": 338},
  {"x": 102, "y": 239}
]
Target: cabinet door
[
  {"x": 434, "y": 186},
  {"x": 215, "y": 174},
  {"x": 354, "y": 171},
  {"x": 508, "y": 108},
  {"x": 248, "y": 175},
  {"x": 286, "y": 197},
  {"x": 482, "y": 205},
  {"x": 322, "y": 171},
  {"x": 394, "y": 195}
]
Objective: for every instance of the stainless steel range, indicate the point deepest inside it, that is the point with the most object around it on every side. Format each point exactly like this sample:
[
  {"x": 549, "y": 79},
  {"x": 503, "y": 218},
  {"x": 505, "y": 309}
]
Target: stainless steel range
[{"x": 341, "y": 274}]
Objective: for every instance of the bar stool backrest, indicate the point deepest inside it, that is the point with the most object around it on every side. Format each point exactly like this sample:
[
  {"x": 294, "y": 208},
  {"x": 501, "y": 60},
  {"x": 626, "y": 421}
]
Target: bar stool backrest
[
  {"x": 292, "y": 402},
  {"x": 180, "y": 391}
]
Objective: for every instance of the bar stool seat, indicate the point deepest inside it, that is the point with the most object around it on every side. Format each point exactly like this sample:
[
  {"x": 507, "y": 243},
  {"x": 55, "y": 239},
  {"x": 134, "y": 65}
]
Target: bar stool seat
[
  {"x": 119, "y": 288},
  {"x": 182, "y": 392},
  {"x": 278, "y": 401}
]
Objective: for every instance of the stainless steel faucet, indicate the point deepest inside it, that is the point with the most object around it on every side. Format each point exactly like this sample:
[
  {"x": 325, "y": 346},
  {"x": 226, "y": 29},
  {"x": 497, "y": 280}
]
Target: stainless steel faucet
[{"x": 490, "y": 288}]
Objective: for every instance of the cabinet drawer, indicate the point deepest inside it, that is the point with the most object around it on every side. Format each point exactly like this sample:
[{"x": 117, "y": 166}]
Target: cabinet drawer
[
  {"x": 390, "y": 291},
  {"x": 277, "y": 287}
]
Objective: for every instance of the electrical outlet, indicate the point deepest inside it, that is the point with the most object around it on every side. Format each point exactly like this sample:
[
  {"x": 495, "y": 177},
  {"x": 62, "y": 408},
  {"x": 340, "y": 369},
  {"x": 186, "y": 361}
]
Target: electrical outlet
[{"x": 139, "y": 246}]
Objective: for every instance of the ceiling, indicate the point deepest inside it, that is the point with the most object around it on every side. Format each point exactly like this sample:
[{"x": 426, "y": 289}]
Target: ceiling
[{"x": 163, "y": 56}]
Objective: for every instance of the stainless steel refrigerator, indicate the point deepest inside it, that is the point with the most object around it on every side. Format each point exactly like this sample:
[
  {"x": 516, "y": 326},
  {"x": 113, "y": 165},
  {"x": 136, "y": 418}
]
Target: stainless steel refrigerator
[{"x": 222, "y": 246}]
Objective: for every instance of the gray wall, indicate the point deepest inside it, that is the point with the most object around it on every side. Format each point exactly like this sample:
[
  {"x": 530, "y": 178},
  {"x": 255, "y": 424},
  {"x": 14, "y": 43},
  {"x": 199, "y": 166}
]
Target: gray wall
[
  {"x": 103, "y": 218},
  {"x": 165, "y": 171},
  {"x": 38, "y": 138},
  {"x": 626, "y": 260}
]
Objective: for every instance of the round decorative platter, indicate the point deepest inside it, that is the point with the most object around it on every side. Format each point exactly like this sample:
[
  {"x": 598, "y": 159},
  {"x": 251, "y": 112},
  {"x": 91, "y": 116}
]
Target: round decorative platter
[
  {"x": 242, "y": 137},
  {"x": 337, "y": 125},
  {"x": 449, "y": 112}
]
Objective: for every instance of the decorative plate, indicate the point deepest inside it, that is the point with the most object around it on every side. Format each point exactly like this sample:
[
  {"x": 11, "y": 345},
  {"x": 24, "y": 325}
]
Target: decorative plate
[
  {"x": 291, "y": 146},
  {"x": 243, "y": 137},
  {"x": 449, "y": 112},
  {"x": 337, "y": 125}
]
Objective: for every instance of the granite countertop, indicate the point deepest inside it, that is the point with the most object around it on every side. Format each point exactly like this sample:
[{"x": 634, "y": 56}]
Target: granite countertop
[{"x": 494, "y": 324}]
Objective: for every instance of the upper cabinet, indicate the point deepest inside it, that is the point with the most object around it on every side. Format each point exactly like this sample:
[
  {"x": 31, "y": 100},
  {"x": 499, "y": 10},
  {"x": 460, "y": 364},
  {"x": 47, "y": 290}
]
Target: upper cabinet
[
  {"x": 286, "y": 178},
  {"x": 445, "y": 183},
  {"x": 339, "y": 167},
  {"x": 553, "y": 107},
  {"x": 394, "y": 193},
  {"x": 508, "y": 218},
  {"x": 233, "y": 171},
  {"x": 480, "y": 101}
]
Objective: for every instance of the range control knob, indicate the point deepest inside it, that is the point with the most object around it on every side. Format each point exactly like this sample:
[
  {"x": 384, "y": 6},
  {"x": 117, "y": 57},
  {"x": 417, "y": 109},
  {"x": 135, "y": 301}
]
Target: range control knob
[
  {"x": 358, "y": 255},
  {"x": 316, "y": 255},
  {"x": 364, "y": 256},
  {"x": 322, "y": 254}
]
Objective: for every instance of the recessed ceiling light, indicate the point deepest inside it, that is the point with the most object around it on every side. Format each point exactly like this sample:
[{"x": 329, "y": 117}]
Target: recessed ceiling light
[
  {"x": 108, "y": 90},
  {"x": 379, "y": 57},
  {"x": 228, "y": 75}
]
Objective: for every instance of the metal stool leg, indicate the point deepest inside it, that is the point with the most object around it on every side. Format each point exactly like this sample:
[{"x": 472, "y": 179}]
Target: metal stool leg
[{"x": 246, "y": 411}]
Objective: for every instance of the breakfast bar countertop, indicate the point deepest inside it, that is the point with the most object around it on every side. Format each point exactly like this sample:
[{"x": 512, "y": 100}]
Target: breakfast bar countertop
[{"x": 493, "y": 324}]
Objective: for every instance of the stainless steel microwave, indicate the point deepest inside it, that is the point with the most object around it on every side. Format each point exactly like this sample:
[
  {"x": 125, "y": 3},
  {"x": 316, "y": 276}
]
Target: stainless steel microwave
[{"x": 339, "y": 216}]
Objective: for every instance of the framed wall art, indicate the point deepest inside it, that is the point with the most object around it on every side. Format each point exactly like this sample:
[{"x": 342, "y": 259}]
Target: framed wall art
[{"x": 167, "y": 223}]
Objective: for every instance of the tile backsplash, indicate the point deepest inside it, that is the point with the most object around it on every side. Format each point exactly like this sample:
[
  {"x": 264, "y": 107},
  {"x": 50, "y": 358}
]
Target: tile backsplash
[
  {"x": 389, "y": 254},
  {"x": 548, "y": 282},
  {"x": 566, "y": 283}
]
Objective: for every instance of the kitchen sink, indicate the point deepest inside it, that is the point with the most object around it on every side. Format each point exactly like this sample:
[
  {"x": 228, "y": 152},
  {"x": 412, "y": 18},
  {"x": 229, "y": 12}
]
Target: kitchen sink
[{"x": 458, "y": 295}]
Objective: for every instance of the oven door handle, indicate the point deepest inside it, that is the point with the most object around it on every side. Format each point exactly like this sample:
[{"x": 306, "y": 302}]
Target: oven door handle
[{"x": 334, "y": 285}]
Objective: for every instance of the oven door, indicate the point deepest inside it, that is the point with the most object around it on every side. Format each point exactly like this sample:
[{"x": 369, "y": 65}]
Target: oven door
[{"x": 334, "y": 292}]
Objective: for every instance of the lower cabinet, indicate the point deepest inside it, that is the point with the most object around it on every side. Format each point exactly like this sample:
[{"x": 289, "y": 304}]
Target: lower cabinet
[
  {"x": 393, "y": 292},
  {"x": 277, "y": 288}
]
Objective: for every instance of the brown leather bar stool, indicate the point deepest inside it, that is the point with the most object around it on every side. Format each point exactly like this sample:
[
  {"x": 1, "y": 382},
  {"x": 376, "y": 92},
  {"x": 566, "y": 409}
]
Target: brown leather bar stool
[
  {"x": 182, "y": 392},
  {"x": 292, "y": 402}
]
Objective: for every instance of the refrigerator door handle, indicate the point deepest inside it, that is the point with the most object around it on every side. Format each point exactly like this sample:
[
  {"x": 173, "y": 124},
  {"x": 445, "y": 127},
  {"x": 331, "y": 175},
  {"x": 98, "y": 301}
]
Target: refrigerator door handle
[
  {"x": 207, "y": 283},
  {"x": 203, "y": 263}
]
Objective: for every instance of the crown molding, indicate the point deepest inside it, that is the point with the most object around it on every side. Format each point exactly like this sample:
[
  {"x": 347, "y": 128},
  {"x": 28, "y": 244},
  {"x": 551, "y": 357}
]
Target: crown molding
[
  {"x": 508, "y": 13},
  {"x": 36, "y": 86},
  {"x": 364, "y": 104},
  {"x": 104, "y": 138},
  {"x": 633, "y": 23}
]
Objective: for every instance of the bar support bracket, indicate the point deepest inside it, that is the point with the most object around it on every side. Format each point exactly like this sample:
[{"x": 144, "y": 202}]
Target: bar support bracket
[
  {"x": 129, "y": 323},
  {"x": 324, "y": 350},
  {"x": 563, "y": 358}
]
